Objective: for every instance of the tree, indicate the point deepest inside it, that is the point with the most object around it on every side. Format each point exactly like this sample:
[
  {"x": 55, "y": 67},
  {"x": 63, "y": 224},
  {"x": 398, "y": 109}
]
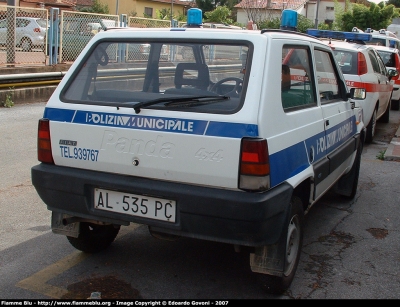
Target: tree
[
  {"x": 376, "y": 16},
  {"x": 164, "y": 14},
  {"x": 220, "y": 15},
  {"x": 273, "y": 23},
  {"x": 396, "y": 3},
  {"x": 303, "y": 23},
  {"x": 205, "y": 5},
  {"x": 339, "y": 12},
  {"x": 97, "y": 7},
  {"x": 255, "y": 10}
]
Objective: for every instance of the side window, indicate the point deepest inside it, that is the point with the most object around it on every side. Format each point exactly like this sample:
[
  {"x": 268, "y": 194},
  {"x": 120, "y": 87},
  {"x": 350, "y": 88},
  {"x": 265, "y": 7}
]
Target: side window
[
  {"x": 328, "y": 85},
  {"x": 374, "y": 62},
  {"x": 19, "y": 23},
  {"x": 381, "y": 65},
  {"x": 297, "y": 81},
  {"x": 393, "y": 44}
]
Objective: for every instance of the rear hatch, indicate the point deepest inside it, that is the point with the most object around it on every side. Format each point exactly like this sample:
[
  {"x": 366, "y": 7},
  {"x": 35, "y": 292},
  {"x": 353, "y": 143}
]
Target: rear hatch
[
  {"x": 169, "y": 113},
  {"x": 353, "y": 64}
]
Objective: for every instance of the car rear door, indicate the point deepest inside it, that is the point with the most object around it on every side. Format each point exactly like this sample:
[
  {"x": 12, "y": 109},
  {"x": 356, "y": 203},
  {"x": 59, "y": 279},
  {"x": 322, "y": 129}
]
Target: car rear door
[
  {"x": 339, "y": 143},
  {"x": 384, "y": 87}
]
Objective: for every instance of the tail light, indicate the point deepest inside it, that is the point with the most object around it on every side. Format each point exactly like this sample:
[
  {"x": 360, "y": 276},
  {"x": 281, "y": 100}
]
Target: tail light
[
  {"x": 37, "y": 30},
  {"x": 44, "y": 143},
  {"x": 254, "y": 165},
  {"x": 362, "y": 64}
]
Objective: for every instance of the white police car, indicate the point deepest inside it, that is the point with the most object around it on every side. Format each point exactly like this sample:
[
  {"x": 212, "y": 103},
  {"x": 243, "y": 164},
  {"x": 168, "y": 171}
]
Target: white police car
[
  {"x": 365, "y": 73},
  {"x": 391, "y": 59},
  {"x": 219, "y": 148}
]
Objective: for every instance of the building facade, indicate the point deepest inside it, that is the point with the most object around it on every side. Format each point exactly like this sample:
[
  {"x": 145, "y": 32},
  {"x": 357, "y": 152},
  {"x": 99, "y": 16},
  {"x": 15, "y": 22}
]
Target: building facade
[{"x": 319, "y": 11}]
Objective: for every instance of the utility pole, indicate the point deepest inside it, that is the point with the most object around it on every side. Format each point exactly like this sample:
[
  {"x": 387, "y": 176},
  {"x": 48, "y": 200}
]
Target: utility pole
[
  {"x": 172, "y": 13},
  {"x": 10, "y": 40},
  {"x": 316, "y": 15}
]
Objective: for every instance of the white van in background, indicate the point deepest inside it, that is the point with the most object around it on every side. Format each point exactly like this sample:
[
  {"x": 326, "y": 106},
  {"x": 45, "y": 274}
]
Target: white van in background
[
  {"x": 383, "y": 38},
  {"x": 394, "y": 28}
]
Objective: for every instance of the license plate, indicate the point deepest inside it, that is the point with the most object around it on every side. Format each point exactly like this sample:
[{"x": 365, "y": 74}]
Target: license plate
[{"x": 135, "y": 205}]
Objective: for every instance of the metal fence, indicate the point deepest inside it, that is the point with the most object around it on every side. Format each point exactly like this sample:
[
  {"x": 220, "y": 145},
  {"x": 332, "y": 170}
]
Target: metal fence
[
  {"x": 77, "y": 29},
  {"x": 139, "y": 22},
  {"x": 22, "y": 35},
  {"x": 25, "y": 34}
]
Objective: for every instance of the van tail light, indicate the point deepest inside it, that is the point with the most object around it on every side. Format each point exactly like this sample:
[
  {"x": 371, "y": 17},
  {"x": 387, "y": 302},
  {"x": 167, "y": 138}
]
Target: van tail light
[
  {"x": 362, "y": 64},
  {"x": 44, "y": 143},
  {"x": 37, "y": 30},
  {"x": 254, "y": 165}
]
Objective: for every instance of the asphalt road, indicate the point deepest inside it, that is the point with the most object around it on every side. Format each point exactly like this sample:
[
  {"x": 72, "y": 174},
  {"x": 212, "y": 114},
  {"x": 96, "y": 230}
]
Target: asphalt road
[{"x": 351, "y": 248}]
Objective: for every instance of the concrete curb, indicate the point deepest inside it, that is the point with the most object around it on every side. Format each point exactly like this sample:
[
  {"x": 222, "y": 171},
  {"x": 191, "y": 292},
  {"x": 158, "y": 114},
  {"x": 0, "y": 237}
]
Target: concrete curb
[
  {"x": 34, "y": 93},
  {"x": 392, "y": 153},
  {"x": 28, "y": 95}
]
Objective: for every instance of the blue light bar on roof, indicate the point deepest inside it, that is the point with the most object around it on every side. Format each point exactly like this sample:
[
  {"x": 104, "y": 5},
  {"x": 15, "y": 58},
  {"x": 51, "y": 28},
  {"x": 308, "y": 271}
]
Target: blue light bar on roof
[
  {"x": 366, "y": 37},
  {"x": 194, "y": 17}
]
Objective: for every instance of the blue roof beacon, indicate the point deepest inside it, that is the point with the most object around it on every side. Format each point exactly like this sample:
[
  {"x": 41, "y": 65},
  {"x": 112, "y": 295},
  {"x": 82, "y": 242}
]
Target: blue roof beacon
[
  {"x": 289, "y": 20},
  {"x": 194, "y": 18}
]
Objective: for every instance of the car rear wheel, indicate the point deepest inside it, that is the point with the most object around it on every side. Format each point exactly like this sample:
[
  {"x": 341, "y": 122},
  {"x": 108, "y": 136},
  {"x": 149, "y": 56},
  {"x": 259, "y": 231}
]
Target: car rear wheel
[
  {"x": 385, "y": 116},
  {"x": 395, "y": 105},
  {"x": 371, "y": 128},
  {"x": 94, "y": 238},
  {"x": 293, "y": 245}
]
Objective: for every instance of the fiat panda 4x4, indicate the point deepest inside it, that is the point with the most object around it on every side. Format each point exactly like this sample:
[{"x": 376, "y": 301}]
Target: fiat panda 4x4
[{"x": 233, "y": 143}]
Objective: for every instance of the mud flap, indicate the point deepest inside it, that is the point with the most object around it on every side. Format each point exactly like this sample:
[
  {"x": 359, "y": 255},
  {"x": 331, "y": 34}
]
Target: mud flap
[
  {"x": 57, "y": 226},
  {"x": 268, "y": 259}
]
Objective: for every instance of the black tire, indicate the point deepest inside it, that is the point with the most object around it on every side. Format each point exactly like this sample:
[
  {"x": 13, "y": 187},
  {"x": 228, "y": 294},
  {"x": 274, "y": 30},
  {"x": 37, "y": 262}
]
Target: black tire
[
  {"x": 293, "y": 245},
  {"x": 347, "y": 185},
  {"x": 395, "y": 105},
  {"x": 94, "y": 238},
  {"x": 371, "y": 128},
  {"x": 385, "y": 117}
]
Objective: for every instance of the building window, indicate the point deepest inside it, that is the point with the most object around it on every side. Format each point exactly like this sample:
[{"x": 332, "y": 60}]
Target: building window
[
  {"x": 330, "y": 8},
  {"x": 329, "y": 22},
  {"x": 148, "y": 12}
]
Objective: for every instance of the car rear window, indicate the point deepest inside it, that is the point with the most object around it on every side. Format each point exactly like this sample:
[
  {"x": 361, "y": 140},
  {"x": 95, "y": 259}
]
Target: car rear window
[
  {"x": 127, "y": 73},
  {"x": 42, "y": 22},
  {"x": 347, "y": 60},
  {"x": 377, "y": 41}
]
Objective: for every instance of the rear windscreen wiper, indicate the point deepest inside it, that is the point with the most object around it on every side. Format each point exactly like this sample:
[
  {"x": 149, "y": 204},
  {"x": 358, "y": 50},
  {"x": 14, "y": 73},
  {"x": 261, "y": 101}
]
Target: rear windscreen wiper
[{"x": 172, "y": 101}]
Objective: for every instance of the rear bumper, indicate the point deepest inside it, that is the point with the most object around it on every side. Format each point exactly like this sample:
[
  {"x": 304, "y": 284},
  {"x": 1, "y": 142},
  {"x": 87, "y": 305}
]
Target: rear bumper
[{"x": 235, "y": 217}]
